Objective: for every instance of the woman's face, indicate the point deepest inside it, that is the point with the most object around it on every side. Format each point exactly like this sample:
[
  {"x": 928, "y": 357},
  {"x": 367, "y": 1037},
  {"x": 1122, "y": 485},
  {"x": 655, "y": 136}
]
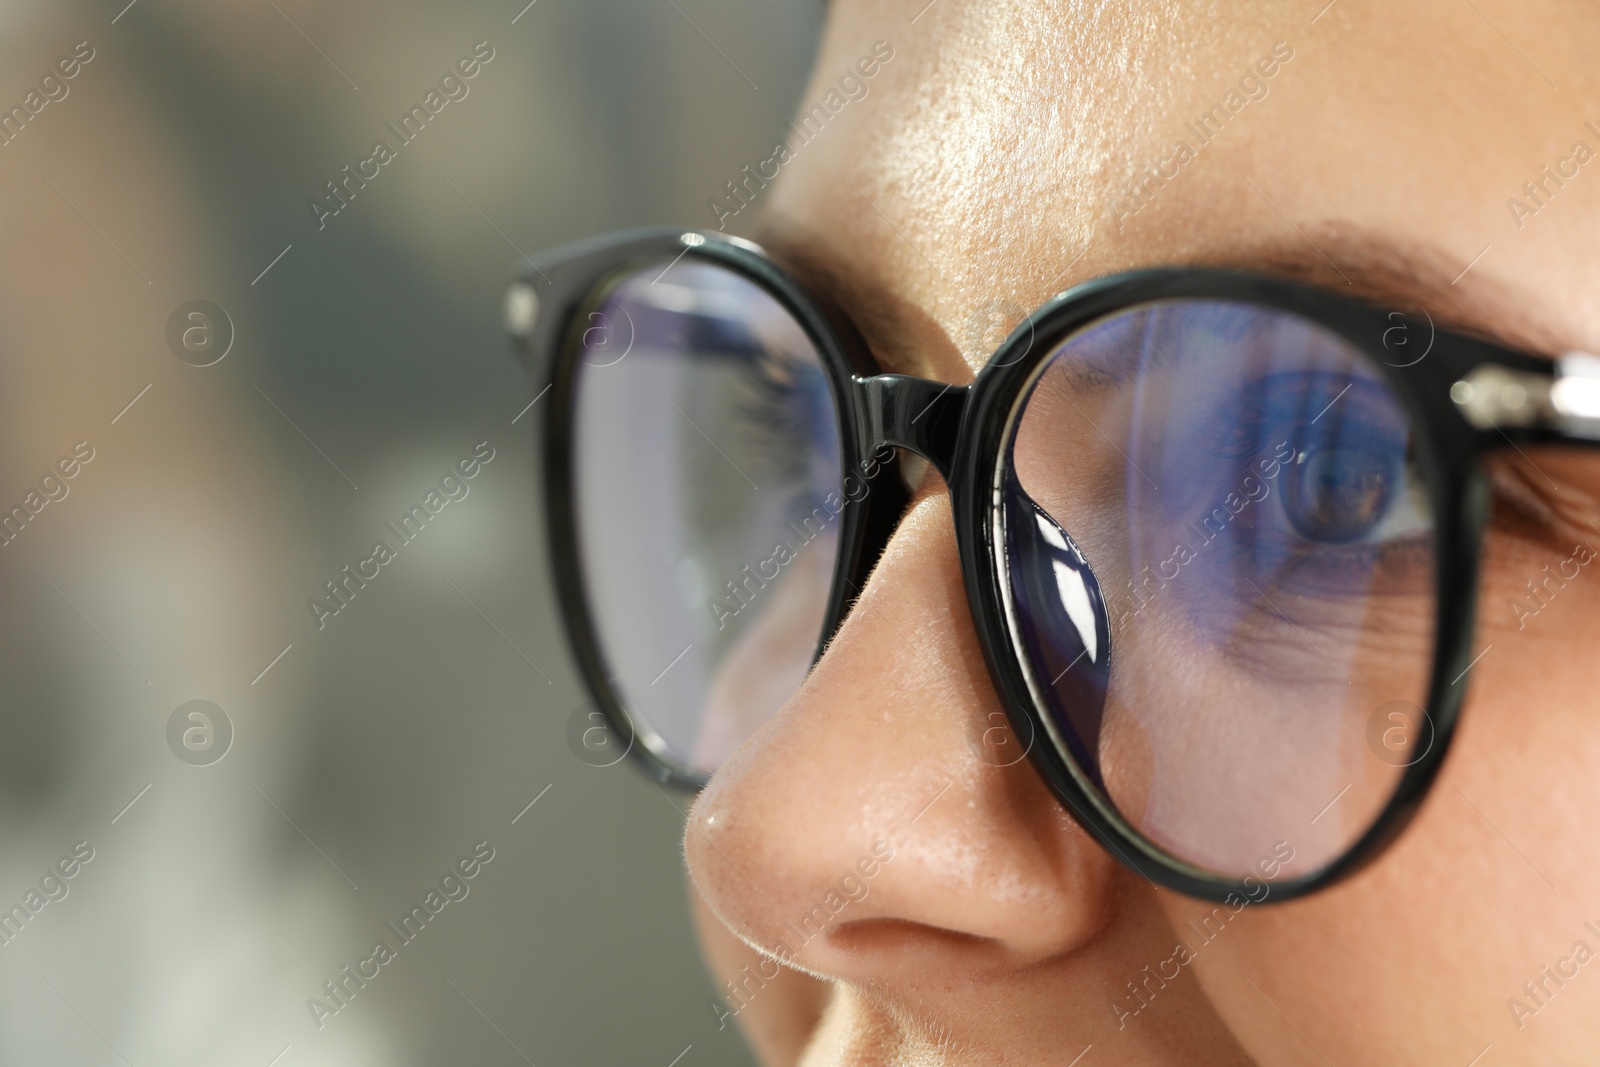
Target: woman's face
[{"x": 1006, "y": 151}]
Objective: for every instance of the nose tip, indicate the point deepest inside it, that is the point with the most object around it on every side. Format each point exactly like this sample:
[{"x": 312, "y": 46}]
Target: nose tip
[{"x": 1061, "y": 623}]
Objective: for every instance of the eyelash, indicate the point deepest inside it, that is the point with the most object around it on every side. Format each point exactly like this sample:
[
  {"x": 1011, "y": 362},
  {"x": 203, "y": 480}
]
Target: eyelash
[{"x": 777, "y": 410}]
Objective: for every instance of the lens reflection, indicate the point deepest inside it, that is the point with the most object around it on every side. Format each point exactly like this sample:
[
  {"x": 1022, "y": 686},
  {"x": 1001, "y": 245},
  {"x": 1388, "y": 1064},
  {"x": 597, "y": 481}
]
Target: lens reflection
[
  {"x": 1244, "y": 486},
  {"x": 707, "y": 497}
]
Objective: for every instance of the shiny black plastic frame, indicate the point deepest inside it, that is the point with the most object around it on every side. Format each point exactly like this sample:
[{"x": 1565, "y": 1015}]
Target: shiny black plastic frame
[{"x": 962, "y": 430}]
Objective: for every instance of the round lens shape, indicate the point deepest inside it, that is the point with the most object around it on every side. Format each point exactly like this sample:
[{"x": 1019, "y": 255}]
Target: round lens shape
[
  {"x": 706, "y": 497},
  {"x": 1218, "y": 559}
]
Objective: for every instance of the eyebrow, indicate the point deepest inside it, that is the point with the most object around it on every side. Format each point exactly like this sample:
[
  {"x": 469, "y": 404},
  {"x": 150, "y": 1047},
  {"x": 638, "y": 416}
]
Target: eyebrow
[
  {"x": 1409, "y": 276},
  {"x": 1405, "y": 275}
]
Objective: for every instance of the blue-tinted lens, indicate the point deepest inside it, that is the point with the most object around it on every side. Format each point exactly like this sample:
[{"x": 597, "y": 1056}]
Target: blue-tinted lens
[
  {"x": 1220, "y": 563},
  {"x": 707, "y": 490}
]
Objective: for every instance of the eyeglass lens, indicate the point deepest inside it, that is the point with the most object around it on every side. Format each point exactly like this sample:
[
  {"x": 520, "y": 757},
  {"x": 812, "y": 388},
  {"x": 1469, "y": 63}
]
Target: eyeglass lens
[
  {"x": 706, "y": 493},
  {"x": 1244, "y": 484}
]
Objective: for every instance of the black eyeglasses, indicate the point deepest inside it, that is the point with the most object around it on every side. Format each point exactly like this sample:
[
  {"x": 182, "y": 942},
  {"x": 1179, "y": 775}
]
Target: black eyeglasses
[{"x": 1219, "y": 533}]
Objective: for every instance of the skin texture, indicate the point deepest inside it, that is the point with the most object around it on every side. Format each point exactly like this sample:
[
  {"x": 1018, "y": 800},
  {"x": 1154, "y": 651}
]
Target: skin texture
[{"x": 972, "y": 183}]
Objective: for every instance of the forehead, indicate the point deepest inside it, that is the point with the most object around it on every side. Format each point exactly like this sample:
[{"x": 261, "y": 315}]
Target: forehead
[{"x": 1010, "y": 149}]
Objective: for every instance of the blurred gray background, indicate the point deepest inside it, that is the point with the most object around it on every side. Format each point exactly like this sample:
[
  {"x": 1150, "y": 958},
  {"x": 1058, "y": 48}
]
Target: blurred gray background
[{"x": 367, "y": 358}]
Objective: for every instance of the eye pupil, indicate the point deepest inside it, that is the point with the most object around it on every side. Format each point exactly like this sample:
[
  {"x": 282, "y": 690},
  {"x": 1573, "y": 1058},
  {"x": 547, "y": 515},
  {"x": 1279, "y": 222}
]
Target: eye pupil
[{"x": 1338, "y": 493}]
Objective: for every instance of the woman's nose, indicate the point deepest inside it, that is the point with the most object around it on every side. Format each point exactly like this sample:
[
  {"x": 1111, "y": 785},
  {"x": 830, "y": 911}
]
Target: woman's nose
[{"x": 885, "y": 825}]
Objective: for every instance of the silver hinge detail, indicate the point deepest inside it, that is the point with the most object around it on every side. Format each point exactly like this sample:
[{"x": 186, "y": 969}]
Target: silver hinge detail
[
  {"x": 1575, "y": 396},
  {"x": 1495, "y": 397},
  {"x": 521, "y": 310}
]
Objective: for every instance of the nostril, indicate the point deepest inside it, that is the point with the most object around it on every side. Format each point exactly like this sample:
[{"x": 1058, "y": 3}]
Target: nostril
[{"x": 1061, "y": 623}]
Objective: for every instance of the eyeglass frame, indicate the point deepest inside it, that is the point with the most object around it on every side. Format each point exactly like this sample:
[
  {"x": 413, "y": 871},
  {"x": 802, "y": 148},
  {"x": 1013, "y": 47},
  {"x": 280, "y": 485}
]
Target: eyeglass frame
[{"x": 1466, "y": 397}]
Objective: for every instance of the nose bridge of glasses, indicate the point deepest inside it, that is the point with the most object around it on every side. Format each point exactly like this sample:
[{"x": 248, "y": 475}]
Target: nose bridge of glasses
[{"x": 916, "y": 414}]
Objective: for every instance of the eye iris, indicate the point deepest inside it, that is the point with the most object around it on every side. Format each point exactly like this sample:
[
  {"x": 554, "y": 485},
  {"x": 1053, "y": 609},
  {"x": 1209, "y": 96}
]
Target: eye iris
[{"x": 1338, "y": 493}]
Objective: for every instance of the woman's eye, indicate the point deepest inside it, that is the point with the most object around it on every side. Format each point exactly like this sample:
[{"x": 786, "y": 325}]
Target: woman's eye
[
  {"x": 1352, "y": 480},
  {"x": 1299, "y": 471},
  {"x": 1341, "y": 493}
]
